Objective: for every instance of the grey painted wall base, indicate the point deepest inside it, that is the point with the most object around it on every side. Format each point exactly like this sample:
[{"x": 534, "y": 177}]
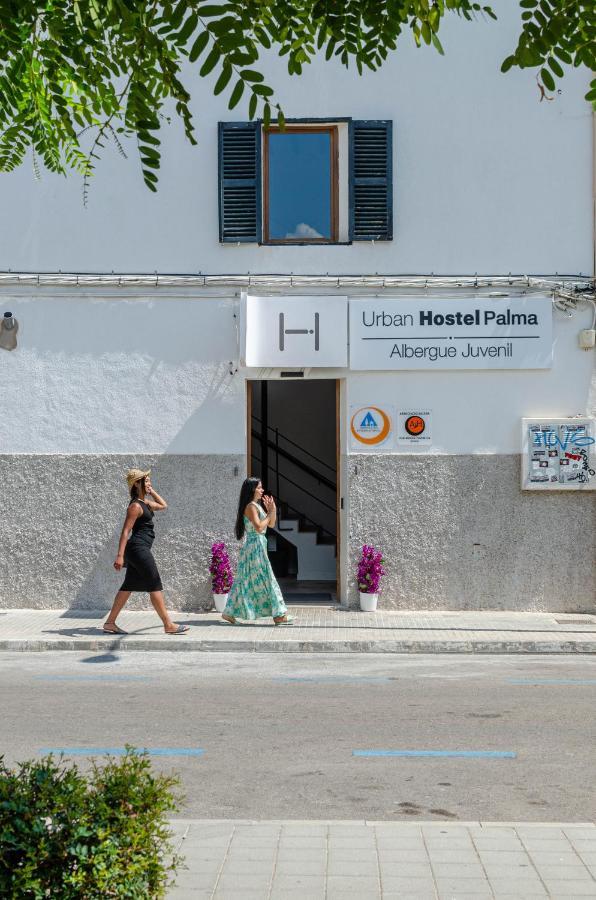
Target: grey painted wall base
[
  {"x": 61, "y": 518},
  {"x": 458, "y": 533}
]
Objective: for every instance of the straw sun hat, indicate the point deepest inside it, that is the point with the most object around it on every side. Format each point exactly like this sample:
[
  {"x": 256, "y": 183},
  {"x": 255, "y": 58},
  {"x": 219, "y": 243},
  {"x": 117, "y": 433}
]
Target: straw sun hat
[{"x": 134, "y": 475}]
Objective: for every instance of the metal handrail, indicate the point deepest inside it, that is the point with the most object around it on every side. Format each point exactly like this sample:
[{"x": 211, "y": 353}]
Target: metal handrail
[
  {"x": 300, "y": 447},
  {"x": 298, "y": 463},
  {"x": 301, "y": 514}
]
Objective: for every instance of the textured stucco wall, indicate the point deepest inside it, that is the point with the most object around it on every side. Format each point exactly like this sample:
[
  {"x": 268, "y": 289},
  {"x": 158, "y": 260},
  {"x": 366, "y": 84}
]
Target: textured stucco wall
[
  {"x": 61, "y": 518},
  {"x": 458, "y": 533}
]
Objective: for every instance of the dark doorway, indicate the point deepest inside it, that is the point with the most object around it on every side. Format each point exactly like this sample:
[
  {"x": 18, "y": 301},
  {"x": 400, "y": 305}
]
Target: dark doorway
[{"x": 293, "y": 449}]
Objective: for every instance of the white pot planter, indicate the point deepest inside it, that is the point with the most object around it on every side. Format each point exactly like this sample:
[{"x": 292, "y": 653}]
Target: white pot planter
[
  {"x": 368, "y": 602},
  {"x": 220, "y": 601}
]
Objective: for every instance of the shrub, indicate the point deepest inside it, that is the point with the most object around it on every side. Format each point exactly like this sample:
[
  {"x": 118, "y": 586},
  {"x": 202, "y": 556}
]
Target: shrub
[
  {"x": 370, "y": 570},
  {"x": 67, "y": 835},
  {"x": 220, "y": 569}
]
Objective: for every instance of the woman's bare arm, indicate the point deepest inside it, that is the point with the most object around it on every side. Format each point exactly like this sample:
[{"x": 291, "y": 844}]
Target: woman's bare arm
[
  {"x": 134, "y": 511},
  {"x": 156, "y": 503}
]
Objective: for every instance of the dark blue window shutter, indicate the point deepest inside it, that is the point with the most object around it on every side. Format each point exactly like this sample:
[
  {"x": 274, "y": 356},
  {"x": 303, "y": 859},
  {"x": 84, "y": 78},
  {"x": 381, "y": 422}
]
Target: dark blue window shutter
[
  {"x": 239, "y": 182},
  {"x": 371, "y": 181}
]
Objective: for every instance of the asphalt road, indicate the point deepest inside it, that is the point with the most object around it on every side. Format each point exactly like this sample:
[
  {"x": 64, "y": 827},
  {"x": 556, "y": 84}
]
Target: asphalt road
[{"x": 279, "y": 730}]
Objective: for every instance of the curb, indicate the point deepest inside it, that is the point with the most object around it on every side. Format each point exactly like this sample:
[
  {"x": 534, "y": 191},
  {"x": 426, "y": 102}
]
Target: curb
[{"x": 304, "y": 646}]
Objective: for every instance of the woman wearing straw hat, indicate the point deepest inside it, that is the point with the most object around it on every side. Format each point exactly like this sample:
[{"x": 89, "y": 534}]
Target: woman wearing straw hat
[{"x": 134, "y": 552}]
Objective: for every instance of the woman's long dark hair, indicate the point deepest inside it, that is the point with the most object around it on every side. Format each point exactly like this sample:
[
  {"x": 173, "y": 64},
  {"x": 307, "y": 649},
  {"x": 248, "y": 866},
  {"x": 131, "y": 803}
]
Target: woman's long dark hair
[{"x": 247, "y": 492}]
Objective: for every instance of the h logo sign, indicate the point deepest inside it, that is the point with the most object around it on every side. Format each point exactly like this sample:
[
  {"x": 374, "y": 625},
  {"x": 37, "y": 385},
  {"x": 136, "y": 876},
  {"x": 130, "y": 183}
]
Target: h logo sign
[{"x": 283, "y": 331}]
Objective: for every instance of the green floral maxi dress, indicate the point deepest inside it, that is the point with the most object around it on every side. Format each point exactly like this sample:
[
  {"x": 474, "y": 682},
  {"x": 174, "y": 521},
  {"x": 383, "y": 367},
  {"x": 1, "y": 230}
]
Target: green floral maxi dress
[{"x": 255, "y": 592}]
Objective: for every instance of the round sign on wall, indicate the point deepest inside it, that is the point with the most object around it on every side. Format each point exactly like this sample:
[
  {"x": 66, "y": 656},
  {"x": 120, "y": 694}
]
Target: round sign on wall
[
  {"x": 415, "y": 425},
  {"x": 370, "y": 426}
]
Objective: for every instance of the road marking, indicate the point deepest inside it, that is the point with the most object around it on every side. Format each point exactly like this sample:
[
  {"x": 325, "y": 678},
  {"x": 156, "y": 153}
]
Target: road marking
[
  {"x": 120, "y": 751},
  {"x": 333, "y": 679},
  {"x": 464, "y": 754},
  {"x": 551, "y": 680},
  {"x": 93, "y": 678}
]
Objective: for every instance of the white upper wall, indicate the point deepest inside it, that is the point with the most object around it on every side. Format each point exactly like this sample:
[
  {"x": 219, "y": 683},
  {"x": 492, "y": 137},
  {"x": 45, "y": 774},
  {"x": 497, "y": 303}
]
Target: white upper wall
[
  {"x": 486, "y": 178},
  {"x": 151, "y": 374}
]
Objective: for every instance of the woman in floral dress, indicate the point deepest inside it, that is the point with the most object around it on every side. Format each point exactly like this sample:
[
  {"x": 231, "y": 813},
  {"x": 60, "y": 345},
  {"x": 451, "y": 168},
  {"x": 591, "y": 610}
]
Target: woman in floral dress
[{"x": 255, "y": 593}]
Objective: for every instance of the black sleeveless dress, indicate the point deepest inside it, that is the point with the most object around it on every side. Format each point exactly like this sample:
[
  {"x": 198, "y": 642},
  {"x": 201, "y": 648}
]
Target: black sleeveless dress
[{"x": 141, "y": 570}]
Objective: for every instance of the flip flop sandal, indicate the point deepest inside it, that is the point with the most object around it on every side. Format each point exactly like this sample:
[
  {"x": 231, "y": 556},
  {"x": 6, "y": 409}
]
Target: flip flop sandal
[
  {"x": 181, "y": 629},
  {"x": 283, "y": 620},
  {"x": 229, "y": 619},
  {"x": 113, "y": 629}
]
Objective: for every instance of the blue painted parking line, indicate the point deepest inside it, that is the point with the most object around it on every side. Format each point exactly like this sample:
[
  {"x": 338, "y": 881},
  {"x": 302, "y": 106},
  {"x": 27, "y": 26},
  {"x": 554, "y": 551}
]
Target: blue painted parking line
[
  {"x": 464, "y": 754},
  {"x": 120, "y": 751},
  {"x": 551, "y": 680},
  {"x": 333, "y": 679},
  {"x": 93, "y": 678}
]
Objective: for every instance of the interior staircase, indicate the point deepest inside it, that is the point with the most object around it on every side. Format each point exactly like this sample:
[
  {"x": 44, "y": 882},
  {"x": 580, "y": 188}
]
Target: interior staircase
[{"x": 315, "y": 558}]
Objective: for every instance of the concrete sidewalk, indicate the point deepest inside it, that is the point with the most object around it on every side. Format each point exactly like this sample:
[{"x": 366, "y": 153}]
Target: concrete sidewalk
[
  {"x": 315, "y": 629},
  {"x": 315, "y": 860}
]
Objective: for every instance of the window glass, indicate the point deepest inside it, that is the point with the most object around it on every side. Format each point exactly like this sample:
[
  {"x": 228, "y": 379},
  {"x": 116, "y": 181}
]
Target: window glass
[{"x": 299, "y": 189}]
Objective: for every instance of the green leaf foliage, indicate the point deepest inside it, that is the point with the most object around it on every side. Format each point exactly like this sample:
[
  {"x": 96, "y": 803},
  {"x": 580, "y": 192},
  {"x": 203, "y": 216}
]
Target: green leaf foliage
[
  {"x": 71, "y": 836},
  {"x": 554, "y": 30},
  {"x": 76, "y": 75}
]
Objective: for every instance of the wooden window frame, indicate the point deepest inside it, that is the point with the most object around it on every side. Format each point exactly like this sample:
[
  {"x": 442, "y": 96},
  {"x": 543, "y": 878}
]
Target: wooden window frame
[{"x": 334, "y": 179}]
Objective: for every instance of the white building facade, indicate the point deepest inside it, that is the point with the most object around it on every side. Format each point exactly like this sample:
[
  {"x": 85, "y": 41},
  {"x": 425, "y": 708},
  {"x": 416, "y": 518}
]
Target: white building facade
[{"x": 402, "y": 342}]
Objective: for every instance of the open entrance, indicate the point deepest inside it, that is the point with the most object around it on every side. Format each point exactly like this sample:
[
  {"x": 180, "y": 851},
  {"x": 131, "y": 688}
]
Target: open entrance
[{"x": 293, "y": 448}]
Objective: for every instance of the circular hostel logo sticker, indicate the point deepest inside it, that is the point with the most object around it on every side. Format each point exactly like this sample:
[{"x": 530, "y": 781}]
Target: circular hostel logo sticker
[
  {"x": 370, "y": 425},
  {"x": 415, "y": 425}
]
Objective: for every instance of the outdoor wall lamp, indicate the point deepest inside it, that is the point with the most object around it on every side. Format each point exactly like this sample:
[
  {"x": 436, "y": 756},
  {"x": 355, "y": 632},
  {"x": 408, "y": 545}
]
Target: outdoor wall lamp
[{"x": 8, "y": 331}]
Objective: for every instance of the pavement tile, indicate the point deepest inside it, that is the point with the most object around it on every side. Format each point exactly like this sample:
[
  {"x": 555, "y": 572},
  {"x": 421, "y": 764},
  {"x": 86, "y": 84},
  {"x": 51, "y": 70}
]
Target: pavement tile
[
  {"x": 357, "y": 867},
  {"x": 576, "y": 872},
  {"x": 512, "y": 885},
  {"x": 465, "y": 857},
  {"x": 391, "y": 856},
  {"x": 354, "y": 853},
  {"x": 566, "y": 858},
  {"x": 407, "y": 884},
  {"x": 254, "y": 868},
  {"x": 300, "y": 867},
  {"x": 468, "y": 887},
  {"x": 234, "y": 881},
  {"x": 405, "y": 870},
  {"x": 570, "y": 888},
  {"x": 189, "y": 894},
  {"x": 298, "y": 894},
  {"x": 349, "y": 884},
  {"x": 447, "y": 843},
  {"x": 400, "y": 842},
  {"x": 261, "y": 852},
  {"x": 241, "y": 895},
  {"x": 290, "y": 881},
  {"x": 504, "y": 857},
  {"x": 506, "y": 843},
  {"x": 315, "y": 841},
  {"x": 459, "y": 870},
  {"x": 401, "y": 895}
]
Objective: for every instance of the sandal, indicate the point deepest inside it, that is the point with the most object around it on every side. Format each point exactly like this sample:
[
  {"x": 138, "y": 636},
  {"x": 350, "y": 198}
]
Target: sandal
[
  {"x": 229, "y": 619},
  {"x": 283, "y": 620},
  {"x": 180, "y": 629},
  {"x": 112, "y": 628}
]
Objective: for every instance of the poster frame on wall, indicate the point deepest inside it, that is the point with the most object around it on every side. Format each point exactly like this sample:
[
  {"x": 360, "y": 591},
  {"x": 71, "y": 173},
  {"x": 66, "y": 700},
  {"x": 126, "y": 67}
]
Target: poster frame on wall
[{"x": 558, "y": 454}]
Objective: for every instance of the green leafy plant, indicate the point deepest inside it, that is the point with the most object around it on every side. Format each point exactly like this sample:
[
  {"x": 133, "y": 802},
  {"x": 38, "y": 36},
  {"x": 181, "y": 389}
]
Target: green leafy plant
[
  {"x": 104, "y": 835},
  {"x": 556, "y": 33},
  {"x": 75, "y": 74}
]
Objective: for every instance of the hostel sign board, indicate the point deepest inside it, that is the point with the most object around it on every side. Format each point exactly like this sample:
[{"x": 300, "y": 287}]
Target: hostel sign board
[
  {"x": 478, "y": 333},
  {"x": 294, "y": 331}
]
